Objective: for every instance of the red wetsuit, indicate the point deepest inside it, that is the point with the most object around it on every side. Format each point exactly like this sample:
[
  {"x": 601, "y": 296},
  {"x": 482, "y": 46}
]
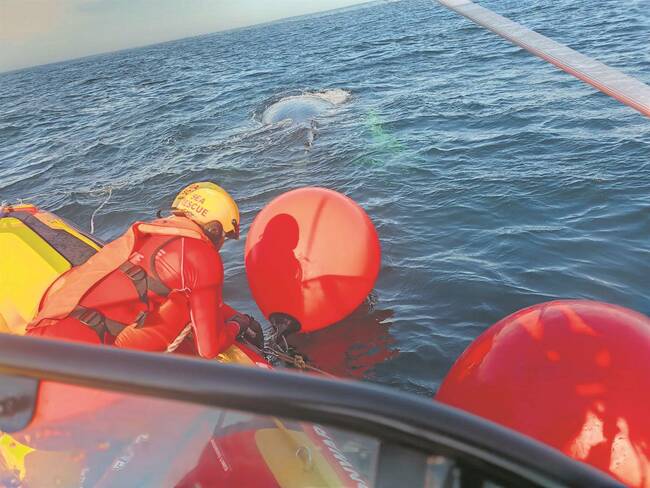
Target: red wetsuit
[{"x": 191, "y": 269}]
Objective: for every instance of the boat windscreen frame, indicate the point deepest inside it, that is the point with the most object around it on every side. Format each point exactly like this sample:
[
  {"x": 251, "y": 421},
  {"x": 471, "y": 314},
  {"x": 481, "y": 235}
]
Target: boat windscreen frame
[{"x": 389, "y": 415}]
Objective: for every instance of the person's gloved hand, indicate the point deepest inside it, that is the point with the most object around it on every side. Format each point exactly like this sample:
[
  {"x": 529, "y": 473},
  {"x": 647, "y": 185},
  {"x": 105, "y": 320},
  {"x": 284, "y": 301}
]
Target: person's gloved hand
[
  {"x": 249, "y": 329},
  {"x": 284, "y": 325}
]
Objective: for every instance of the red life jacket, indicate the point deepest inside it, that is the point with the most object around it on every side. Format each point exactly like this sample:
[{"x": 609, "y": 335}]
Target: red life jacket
[{"x": 63, "y": 297}]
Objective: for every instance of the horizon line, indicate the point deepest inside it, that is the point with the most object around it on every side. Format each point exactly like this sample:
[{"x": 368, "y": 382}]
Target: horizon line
[{"x": 194, "y": 36}]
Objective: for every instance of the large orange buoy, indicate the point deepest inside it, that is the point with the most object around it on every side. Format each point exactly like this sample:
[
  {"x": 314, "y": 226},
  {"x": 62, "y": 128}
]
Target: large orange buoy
[
  {"x": 312, "y": 254},
  {"x": 573, "y": 374}
]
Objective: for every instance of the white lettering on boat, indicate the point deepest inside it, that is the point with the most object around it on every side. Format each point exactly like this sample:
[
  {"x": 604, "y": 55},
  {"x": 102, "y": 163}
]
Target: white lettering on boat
[
  {"x": 121, "y": 462},
  {"x": 343, "y": 461},
  {"x": 220, "y": 456}
]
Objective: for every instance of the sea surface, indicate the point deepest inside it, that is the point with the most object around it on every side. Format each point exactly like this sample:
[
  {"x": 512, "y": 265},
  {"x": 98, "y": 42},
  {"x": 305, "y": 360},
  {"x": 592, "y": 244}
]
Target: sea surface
[{"x": 495, "y": 181}]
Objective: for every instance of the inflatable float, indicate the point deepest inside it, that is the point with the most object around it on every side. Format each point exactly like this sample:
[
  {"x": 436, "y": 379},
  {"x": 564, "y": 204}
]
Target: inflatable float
[
  {"x": 569, "y": 373},
  {"x": 35, "y": 248}
]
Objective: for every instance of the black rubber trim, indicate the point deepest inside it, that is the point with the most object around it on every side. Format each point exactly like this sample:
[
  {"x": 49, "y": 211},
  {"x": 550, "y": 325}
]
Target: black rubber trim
[
  {"x": 389, "y": 415},
  {"x": 74, "y": 250}
]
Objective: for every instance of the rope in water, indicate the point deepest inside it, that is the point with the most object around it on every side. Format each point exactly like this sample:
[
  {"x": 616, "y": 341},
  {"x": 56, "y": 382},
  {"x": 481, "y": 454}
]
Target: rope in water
[
  {"x": 297, "y": 361},
  {"x": 92, "y": 217}
]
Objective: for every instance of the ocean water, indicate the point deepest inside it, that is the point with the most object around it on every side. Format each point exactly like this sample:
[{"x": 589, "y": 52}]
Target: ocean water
[{"x": 495, "y": 181}]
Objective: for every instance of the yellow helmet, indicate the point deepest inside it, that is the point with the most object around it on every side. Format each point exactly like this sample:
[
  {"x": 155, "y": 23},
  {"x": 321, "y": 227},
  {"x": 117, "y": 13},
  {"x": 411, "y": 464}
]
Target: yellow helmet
[{"x": 205, "y": 202}]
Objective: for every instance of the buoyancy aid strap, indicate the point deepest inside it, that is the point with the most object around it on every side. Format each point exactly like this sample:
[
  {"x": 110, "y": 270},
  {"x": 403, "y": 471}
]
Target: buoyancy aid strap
[
  {"x": 97, "y": 321},
  {"x": 138, "y": 276},
  {"x": 157, "y": 286},
  {"x": 143, "y": 281},
  {"x": 101, "y": 324}
]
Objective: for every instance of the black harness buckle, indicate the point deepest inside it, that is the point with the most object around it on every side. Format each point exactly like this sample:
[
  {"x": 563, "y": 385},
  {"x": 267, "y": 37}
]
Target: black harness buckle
[{"x": 92, "y": 318}]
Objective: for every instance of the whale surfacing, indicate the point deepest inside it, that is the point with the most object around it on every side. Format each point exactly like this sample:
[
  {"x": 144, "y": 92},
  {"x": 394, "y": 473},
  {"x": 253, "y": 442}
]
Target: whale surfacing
[
  {"x": 300, "y": 110},
  {"x": 303, "y": 109}
]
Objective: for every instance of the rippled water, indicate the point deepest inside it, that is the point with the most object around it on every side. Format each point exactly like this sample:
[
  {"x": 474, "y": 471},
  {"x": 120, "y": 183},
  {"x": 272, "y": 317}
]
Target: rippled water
[{"x": 495, "y": 181}]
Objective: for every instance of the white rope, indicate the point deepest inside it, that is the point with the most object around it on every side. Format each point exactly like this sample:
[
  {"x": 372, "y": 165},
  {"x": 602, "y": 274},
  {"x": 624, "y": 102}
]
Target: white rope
[
  {"x": 92, "y": 217},
  {"x": 181, "y": 337}
]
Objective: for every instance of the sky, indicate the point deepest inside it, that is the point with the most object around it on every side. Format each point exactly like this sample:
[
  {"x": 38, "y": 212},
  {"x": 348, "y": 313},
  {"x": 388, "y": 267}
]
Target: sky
[{"x": 34, "y": 32}]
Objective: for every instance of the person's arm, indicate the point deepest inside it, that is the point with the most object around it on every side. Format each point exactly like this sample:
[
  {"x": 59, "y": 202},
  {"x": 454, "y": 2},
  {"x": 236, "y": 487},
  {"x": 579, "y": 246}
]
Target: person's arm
[
  {"x": 203, "y": 279},
  {"x": 213, "y": 335}
]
